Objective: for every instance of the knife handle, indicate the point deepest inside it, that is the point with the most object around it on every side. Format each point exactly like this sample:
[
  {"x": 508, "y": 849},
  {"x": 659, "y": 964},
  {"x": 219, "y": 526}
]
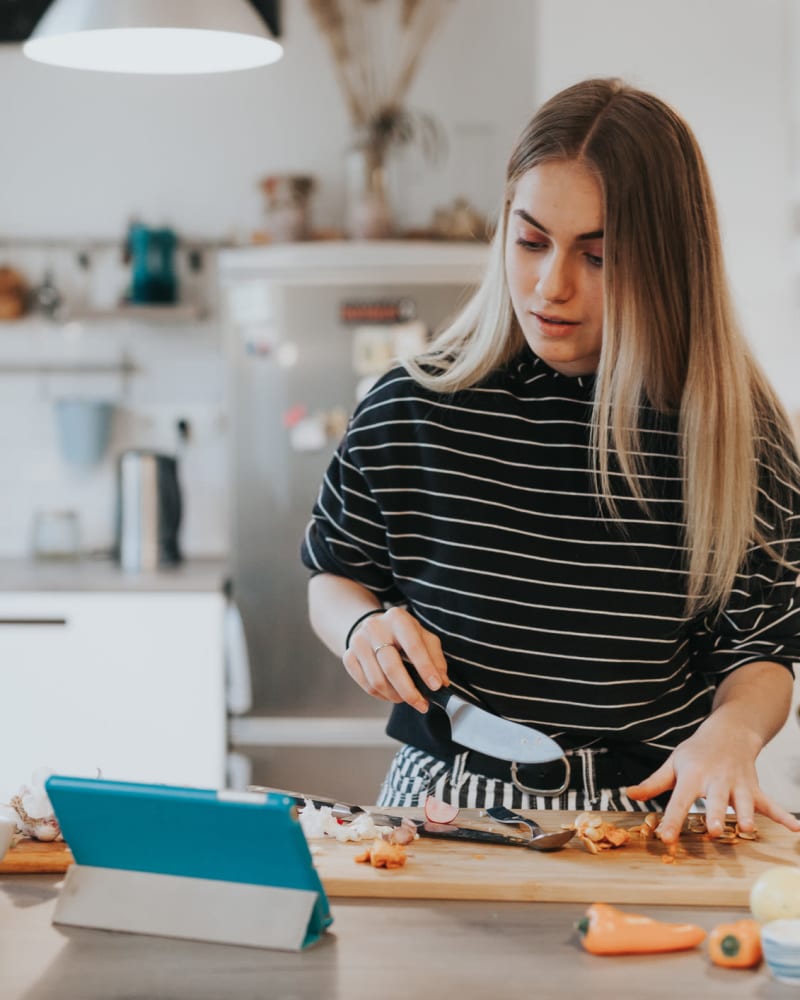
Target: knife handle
[{"x": 440, "y": 697}]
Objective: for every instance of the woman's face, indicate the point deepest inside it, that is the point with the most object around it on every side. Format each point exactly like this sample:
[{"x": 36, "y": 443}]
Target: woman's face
[{"x": 554, "y": 264}]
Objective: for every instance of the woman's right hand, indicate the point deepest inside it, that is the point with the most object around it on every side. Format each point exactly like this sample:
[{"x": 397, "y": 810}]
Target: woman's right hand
[{"x": 374, "y": 658}]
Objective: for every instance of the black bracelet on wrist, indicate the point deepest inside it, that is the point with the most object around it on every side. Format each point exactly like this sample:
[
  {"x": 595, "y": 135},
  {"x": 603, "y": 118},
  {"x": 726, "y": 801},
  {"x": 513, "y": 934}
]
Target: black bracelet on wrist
[{"x": 357, "y": 622}]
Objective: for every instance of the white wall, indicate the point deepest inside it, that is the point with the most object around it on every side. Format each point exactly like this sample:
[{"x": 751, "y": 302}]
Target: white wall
[
  {"x": 728, "y": 66},
  {"x": 179, "y": 375},
  {"x": 83, "y": 151}
]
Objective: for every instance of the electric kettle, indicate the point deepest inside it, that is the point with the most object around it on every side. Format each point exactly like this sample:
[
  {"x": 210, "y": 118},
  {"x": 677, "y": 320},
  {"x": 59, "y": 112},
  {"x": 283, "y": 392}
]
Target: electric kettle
[{"x": 148, "y": 510}]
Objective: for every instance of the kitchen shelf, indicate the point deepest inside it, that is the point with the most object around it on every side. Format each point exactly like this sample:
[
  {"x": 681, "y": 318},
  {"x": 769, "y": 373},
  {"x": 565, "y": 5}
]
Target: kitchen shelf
[
  {"x": 146, "y": 313},
  {"x": 363, "y": 262},
  {"x": 99, "y": 243},
  {"x": 124, "y": 367}
]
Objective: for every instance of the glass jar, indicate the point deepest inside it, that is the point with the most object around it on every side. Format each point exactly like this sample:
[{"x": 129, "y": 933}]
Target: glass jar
[
  {"x": 288, "y": 198},
  {"x": 56, "y": 534}
]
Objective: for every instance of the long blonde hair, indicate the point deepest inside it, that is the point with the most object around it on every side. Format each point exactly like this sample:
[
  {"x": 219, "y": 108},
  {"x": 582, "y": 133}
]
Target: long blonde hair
[{"x": 670, "y": 336}]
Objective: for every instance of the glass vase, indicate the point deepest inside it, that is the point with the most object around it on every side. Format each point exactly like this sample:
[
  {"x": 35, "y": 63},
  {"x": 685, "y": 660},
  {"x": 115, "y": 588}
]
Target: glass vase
[{"x": 368, "y": 207}]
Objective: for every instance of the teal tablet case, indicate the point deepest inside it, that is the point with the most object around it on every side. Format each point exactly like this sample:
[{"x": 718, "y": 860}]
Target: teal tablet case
[{"x": 200, "y": 833}]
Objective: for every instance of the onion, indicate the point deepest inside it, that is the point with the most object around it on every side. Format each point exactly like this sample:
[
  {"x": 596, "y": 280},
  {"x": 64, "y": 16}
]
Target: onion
[{"x": 438, "y": 811}]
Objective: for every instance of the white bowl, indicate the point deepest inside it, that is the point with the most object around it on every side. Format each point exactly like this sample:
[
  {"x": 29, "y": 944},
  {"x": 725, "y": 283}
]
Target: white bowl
[{"x": 780, "y": 940}]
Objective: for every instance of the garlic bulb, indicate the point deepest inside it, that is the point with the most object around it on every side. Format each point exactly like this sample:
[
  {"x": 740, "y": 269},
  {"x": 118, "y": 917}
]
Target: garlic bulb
[{"x": 34, "y": 813}]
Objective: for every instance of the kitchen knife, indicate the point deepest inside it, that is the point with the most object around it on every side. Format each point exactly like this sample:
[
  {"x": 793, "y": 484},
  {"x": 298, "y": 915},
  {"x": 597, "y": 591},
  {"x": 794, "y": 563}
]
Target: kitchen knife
[
  {"x": 480, "y": 730},
  {"x": 446, "y": 831}
]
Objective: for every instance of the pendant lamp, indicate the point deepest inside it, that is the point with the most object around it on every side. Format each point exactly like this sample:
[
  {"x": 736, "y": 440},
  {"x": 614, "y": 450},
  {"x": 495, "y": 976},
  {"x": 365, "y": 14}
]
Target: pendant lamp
[{"x": 153, "y": 36}]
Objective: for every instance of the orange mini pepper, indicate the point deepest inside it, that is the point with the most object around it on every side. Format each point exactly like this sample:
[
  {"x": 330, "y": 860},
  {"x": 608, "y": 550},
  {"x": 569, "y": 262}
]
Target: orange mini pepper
[
  {"x": 605, "y": 930},
  {"x": 736, "y": 945}
]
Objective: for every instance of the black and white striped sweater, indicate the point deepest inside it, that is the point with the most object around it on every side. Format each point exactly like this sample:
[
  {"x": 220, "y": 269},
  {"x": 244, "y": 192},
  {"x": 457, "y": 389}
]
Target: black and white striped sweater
[{"x": 478, "y": 511}]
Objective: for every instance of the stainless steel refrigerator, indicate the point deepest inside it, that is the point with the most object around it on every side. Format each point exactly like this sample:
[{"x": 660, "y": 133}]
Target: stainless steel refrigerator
[{"x": 307, "y": 328}]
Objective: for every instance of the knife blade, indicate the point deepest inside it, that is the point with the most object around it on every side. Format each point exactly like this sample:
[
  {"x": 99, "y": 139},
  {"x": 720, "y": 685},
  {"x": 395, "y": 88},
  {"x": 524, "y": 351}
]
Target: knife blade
[
  {"x": 339, "y": 808},
  {"x": 447, "y": 831},
  {"x": 456, "y": 831},
  {"x": 489, "y": 734},
  {"x": 481, "y": 832}
]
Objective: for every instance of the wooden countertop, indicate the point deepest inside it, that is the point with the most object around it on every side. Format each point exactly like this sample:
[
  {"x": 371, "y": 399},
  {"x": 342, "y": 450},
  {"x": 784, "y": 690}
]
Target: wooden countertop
[{"x": 376, "y": 950}]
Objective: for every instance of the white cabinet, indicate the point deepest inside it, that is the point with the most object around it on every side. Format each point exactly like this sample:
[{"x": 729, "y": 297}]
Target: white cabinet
[{"x": 131, "y": 684}]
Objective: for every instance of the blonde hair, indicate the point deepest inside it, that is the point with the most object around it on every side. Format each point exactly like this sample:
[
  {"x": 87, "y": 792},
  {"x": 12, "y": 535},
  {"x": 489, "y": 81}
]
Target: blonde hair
[{"x": 670, "y": 336}]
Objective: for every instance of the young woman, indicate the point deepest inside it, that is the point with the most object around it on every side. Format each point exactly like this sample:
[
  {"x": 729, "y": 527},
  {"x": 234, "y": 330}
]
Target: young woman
[{"x": 580, "y": 507}]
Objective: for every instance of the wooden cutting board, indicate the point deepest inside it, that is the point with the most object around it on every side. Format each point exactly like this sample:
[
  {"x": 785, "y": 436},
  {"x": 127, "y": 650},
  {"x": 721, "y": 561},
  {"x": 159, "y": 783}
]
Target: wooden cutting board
[
  {"x": 34, "y": 856},
  {"x": 710, "y": 873}
]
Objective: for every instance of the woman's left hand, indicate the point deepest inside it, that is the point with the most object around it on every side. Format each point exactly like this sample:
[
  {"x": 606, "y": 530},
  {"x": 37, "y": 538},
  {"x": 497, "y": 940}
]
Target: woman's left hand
[{"x": 718, "y": 765}]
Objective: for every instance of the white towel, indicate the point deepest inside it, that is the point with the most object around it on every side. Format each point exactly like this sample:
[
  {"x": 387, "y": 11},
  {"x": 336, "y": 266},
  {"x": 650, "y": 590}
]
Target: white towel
[{"x": 239, "y": 691}]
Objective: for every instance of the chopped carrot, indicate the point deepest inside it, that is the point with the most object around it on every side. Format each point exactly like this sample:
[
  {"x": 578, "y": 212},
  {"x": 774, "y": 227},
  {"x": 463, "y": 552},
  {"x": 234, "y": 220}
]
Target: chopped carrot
[
  {"x": 736, "y": 945},
  {"x": 384, "y": 855}
]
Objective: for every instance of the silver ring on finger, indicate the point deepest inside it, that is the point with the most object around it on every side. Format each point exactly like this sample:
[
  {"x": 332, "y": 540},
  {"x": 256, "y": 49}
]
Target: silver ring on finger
[{"x": 382, "y": 645}]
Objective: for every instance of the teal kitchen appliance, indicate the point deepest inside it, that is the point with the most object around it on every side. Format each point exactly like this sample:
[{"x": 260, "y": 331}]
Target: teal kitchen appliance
[{"x": 152, "y": 254}]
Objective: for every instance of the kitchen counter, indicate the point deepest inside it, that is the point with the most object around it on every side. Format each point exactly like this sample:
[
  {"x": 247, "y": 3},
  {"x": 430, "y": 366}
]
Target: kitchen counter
[
  {"x": 379, "y": 950},
  {"x": 31, "y": 575}
]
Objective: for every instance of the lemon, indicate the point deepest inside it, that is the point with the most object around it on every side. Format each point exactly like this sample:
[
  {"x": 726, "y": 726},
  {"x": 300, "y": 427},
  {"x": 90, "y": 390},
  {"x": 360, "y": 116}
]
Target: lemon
[{"x": 776, "y": 894}]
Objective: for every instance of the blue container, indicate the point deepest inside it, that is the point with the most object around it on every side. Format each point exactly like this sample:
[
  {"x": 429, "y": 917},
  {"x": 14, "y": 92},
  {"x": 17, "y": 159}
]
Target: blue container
[
  {"x": 84, "y": 429},
  {"x": 152, "y": 255}
]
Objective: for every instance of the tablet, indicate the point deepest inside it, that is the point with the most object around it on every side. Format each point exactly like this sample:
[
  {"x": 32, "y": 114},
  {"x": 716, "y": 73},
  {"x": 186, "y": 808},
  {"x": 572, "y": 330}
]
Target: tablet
[{"x": 228, "y": 836}]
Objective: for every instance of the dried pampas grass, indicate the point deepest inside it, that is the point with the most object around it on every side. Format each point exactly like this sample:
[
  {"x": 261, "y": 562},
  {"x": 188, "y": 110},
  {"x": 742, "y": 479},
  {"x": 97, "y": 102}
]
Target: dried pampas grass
[{"x": 377, "y": 46}]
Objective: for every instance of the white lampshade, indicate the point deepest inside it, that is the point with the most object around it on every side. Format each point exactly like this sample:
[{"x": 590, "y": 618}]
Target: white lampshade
[{"x": 153, "y": 36}]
